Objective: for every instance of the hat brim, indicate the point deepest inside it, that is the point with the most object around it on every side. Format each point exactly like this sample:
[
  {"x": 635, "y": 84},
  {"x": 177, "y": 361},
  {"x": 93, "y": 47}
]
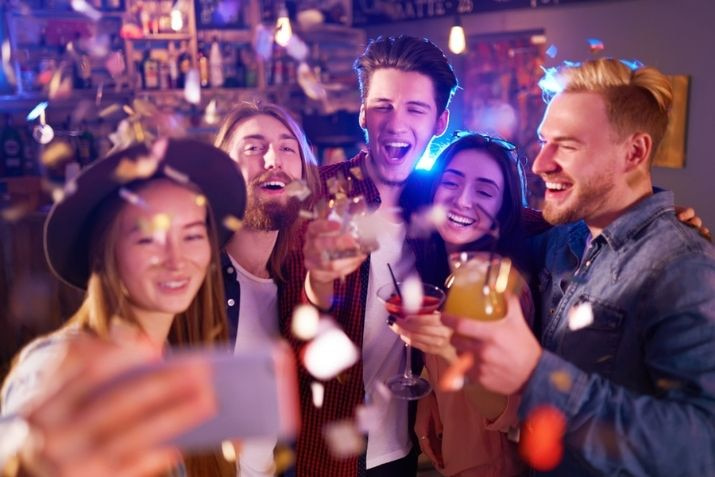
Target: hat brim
[{"x": 70, "y": 222}]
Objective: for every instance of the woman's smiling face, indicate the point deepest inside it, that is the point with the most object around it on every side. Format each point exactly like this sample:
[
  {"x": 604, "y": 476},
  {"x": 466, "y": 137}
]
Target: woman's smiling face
[{"x": 471, "y": 187}]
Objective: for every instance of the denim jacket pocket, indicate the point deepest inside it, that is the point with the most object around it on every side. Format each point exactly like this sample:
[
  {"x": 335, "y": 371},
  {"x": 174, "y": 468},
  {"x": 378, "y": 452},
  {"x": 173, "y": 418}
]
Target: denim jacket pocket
[{"x": 593, "y": 348}]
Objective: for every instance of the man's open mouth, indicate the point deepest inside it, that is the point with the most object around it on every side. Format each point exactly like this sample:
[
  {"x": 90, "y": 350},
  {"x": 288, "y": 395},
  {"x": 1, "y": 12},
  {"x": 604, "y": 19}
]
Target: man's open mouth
[{"x": 396, "y": 150}]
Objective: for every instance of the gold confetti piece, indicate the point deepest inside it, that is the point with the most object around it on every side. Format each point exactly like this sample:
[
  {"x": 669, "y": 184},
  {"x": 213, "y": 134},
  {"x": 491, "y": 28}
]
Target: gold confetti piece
[
  {"x": 109, "y": 110},
  {"x": 143, "y": 107},
  {"x": 128, "y": 109},
  {"x": 228, "y": 451},
  {"x": 357, "y": 173},
  {"x": 200, "y": 200},
  {"x": 7, "y": 66},
  {"x": 141, "y": 168},
  {"x": 310, "y": 83},
  {"x": 59, "y": 87},
  {"x": 283, "y": 457},
  {"x": 561, "y": 381},
  {"x": 453, "y": 378},
  {"x": 130, "y": 196},
  {"x": 232, "y": 223},
  {"x": 330, "y": 352},
  {"x": 160, "y": 222},
  {"x": 298, "y": 189},
  {"x": 668, "y": 384},
  {"x": 307, "y": 214},
  {"x": 15, "y": 212},
  {"x": 55, "y": 153},
  {"x": 605, "y": 358},
  {"x": 175, "y": 175}
]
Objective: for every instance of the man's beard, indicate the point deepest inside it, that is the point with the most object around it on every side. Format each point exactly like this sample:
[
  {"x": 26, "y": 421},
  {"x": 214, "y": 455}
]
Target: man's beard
[
  {"x": 270, "y": 215},
  {"x": 590, "y": 200}
]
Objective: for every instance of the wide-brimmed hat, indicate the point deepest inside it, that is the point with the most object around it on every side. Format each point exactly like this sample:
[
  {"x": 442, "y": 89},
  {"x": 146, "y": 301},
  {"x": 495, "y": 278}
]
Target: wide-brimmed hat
[{"x": 71, "y": 221}]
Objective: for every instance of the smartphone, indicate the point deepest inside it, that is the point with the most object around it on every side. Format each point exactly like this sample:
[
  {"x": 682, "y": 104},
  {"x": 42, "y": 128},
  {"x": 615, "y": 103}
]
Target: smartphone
[{"x": 256, "y": 395}]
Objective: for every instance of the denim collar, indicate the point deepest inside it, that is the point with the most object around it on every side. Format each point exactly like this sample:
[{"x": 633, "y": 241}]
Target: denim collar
[{"x": 637, "y": 217}]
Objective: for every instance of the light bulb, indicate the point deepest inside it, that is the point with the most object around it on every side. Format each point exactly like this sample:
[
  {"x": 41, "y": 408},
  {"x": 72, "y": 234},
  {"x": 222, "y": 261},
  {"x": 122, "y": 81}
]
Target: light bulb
[
  {"x": 457, "y": 41},
  {"x": 283, "y": 29}
]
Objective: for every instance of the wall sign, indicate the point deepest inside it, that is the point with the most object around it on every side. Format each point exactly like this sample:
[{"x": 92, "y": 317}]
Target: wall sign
[{"x": 370, "y": 12}]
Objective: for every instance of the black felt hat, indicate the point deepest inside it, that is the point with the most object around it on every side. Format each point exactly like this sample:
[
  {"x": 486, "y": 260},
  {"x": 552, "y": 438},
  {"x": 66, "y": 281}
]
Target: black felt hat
[{"x": 71, "y": 220}]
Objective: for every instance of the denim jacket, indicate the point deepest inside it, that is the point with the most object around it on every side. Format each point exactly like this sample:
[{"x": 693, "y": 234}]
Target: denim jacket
[{"x": 637, "y": 385}]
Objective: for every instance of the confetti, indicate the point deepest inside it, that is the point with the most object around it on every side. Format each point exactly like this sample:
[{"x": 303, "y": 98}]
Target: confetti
[
  {"x": 668, "y": 384},
  {"x": 232, "y": 223},
  {"x": 86, "y": 9},
  {"x": 307, "y": 214},
  {"x": 144, "y": 108},
  {"x": 58, "y": 86},
  {"x": 369, "y": 418},
  {"x": 425, "y": 220},
  {"x": 330, "y": 352},
  {"x": 561, "y": 381},
  {"x": 15, "y": 212},
  {"x": 43, "y": 134},
  {"x": 109, "y": 110},
  {"x": 298, "y": 189},
  {"x": 36, "y": 111},
  {"x": 595, "y": 45},
  {"x": 229, "y": 451},
  {"x": 200, "y": 200},
  {"x": 283, "y": 458},
  {"x": 318, "y": 392},
  {"x": 210, "y": 114},
  {"x": 357, "y": 173},
  {"x": 297, "y": 49},
  {"x": 344, "y": 439},
  {"x": 632, "y": 64},
  {"x": 580, "y": 316},
  {"x": 552, "y": 51},
  {"x": 7, "y": 66},
  {"x": 142, "y": 167},
  {"x": 541, "y": 443},
  {"x": 130, "y": 197},
  {"x": 176, "y": 175},
  {"x": 453, "y": 379},
  {"x": 192, "y": 87},
  {"x": 56, "y": 152},
  {"x": 310, "y": 84},
  {"x": 304, "y": 324},
  {"x": 412, "y": 294}
]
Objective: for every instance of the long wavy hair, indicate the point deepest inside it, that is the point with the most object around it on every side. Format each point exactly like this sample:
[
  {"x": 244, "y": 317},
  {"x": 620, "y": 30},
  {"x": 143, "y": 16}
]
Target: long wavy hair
[
  {"x": 224, "y": 140},
  {"x": 203, "y": 323},
  {"x": 421, "y": 186}
]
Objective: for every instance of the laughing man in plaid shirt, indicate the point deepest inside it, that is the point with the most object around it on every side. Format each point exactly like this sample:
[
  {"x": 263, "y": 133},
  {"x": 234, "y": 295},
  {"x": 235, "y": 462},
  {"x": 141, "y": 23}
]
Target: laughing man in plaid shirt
[{"x": 406, "y": 86}]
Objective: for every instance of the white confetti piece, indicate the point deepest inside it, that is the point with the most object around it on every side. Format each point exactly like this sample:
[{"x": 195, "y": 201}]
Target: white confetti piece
[
  {"x": 344, "y": 439},
  {"x": 330, "y": 352},
  {"x": 580, "y": 316},
  {"x": 192, "y": 87},
  {"x": 412, "y": 294},
  {"x": 304, "y": 324},
  {"x": 318, "y": 392}
]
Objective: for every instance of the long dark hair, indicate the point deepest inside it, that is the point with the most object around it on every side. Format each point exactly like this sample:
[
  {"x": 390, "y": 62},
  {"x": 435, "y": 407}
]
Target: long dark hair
[{"x": 419, "y": 191}]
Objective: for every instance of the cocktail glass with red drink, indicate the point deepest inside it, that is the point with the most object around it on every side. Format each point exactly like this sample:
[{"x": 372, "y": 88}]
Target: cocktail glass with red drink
[{"x": 407, "y": 385}]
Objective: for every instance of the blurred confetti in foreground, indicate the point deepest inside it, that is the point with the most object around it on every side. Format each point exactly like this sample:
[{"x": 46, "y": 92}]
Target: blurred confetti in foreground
[
  {"x": 318, "y": 392},
  {"x": 453, "y": 378},
  {"x": 426, "y": 220},
  {"x": 552, "y": 51},
  {"x": 304, "y": 323},
  {"x": 561, "y": 381},
  {"x": 541, "y": 443},
  {"x": 283, "y": 458},
  {"x": 580, "y": 316},
  {"x": 330, "y": 352},
  {"x": 412, "y": 294},
  {"x": 344, "y": 439},
  {"x": 229, "y": 451},
  {"x": 232, "y": 223}
]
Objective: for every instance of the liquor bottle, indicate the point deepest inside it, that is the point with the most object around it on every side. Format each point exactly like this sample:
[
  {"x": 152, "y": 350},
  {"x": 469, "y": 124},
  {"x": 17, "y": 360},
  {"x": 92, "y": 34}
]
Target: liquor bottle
[
  {"x": 249, "y": 60},
  {"x": 278, "y": 76},
  {"x": 215, "y": 64},
  {"x": 164, "y": 75},
  {"x": 203, "y": 69},
  {"x": 172, "y": 61},
  {"x": 150, "y": 71},
  {"x": 239, "y": 68},
  {"x": 184, "y": 63},
  {"x": 11, "y": 150}
]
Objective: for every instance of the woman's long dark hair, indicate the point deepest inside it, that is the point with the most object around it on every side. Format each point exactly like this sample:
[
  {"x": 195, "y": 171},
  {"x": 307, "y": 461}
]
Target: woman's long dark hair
[{"x": 419, "y": 191}]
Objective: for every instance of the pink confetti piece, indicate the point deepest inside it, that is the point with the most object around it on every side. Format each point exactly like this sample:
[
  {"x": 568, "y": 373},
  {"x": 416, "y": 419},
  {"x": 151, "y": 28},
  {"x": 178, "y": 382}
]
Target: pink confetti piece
[
  {"x": 595, "y": 45},
  {"x": 330, "y": 352},
  {"x": 304, "y": 324},
  {"x": 344, "y": 439}
]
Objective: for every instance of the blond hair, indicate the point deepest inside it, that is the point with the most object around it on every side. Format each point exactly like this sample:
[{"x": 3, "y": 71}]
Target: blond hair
[
  {"x": 638, "y": 98},
  {"x": 224, "y": 140}
]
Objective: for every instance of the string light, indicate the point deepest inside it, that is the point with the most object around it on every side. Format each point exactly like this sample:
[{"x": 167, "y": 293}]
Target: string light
[{"x": 457, "y": 40}]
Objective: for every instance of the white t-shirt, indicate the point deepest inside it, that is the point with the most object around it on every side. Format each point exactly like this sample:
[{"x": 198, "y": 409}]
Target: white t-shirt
[
  {"x": 257, "y": 326},
  {"x": 383, "y": 352}
]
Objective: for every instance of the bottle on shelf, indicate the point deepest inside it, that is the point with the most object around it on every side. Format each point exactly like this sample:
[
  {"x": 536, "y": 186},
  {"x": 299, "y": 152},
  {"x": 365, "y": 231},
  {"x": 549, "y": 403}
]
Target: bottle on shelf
[
  {"x": 150, "y": 71},
  {"x": 185, "y": 63},
  {"x": 215, "y": 64},
  {"x": 203, "y": 69},
  {"x": 173, "y": 62},
  {"x": 86, "y": 147},
  {"x": 11, "y": 150},
  {"x": 251, "y": 65}
]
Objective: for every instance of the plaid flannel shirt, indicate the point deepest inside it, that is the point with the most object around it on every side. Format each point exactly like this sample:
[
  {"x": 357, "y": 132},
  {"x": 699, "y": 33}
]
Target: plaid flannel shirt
[{"x": 344, "y": 393}]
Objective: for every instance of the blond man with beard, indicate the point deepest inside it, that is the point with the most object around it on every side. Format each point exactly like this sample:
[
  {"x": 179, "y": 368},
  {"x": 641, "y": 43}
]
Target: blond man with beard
[{"x": 635, "y": 379}]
